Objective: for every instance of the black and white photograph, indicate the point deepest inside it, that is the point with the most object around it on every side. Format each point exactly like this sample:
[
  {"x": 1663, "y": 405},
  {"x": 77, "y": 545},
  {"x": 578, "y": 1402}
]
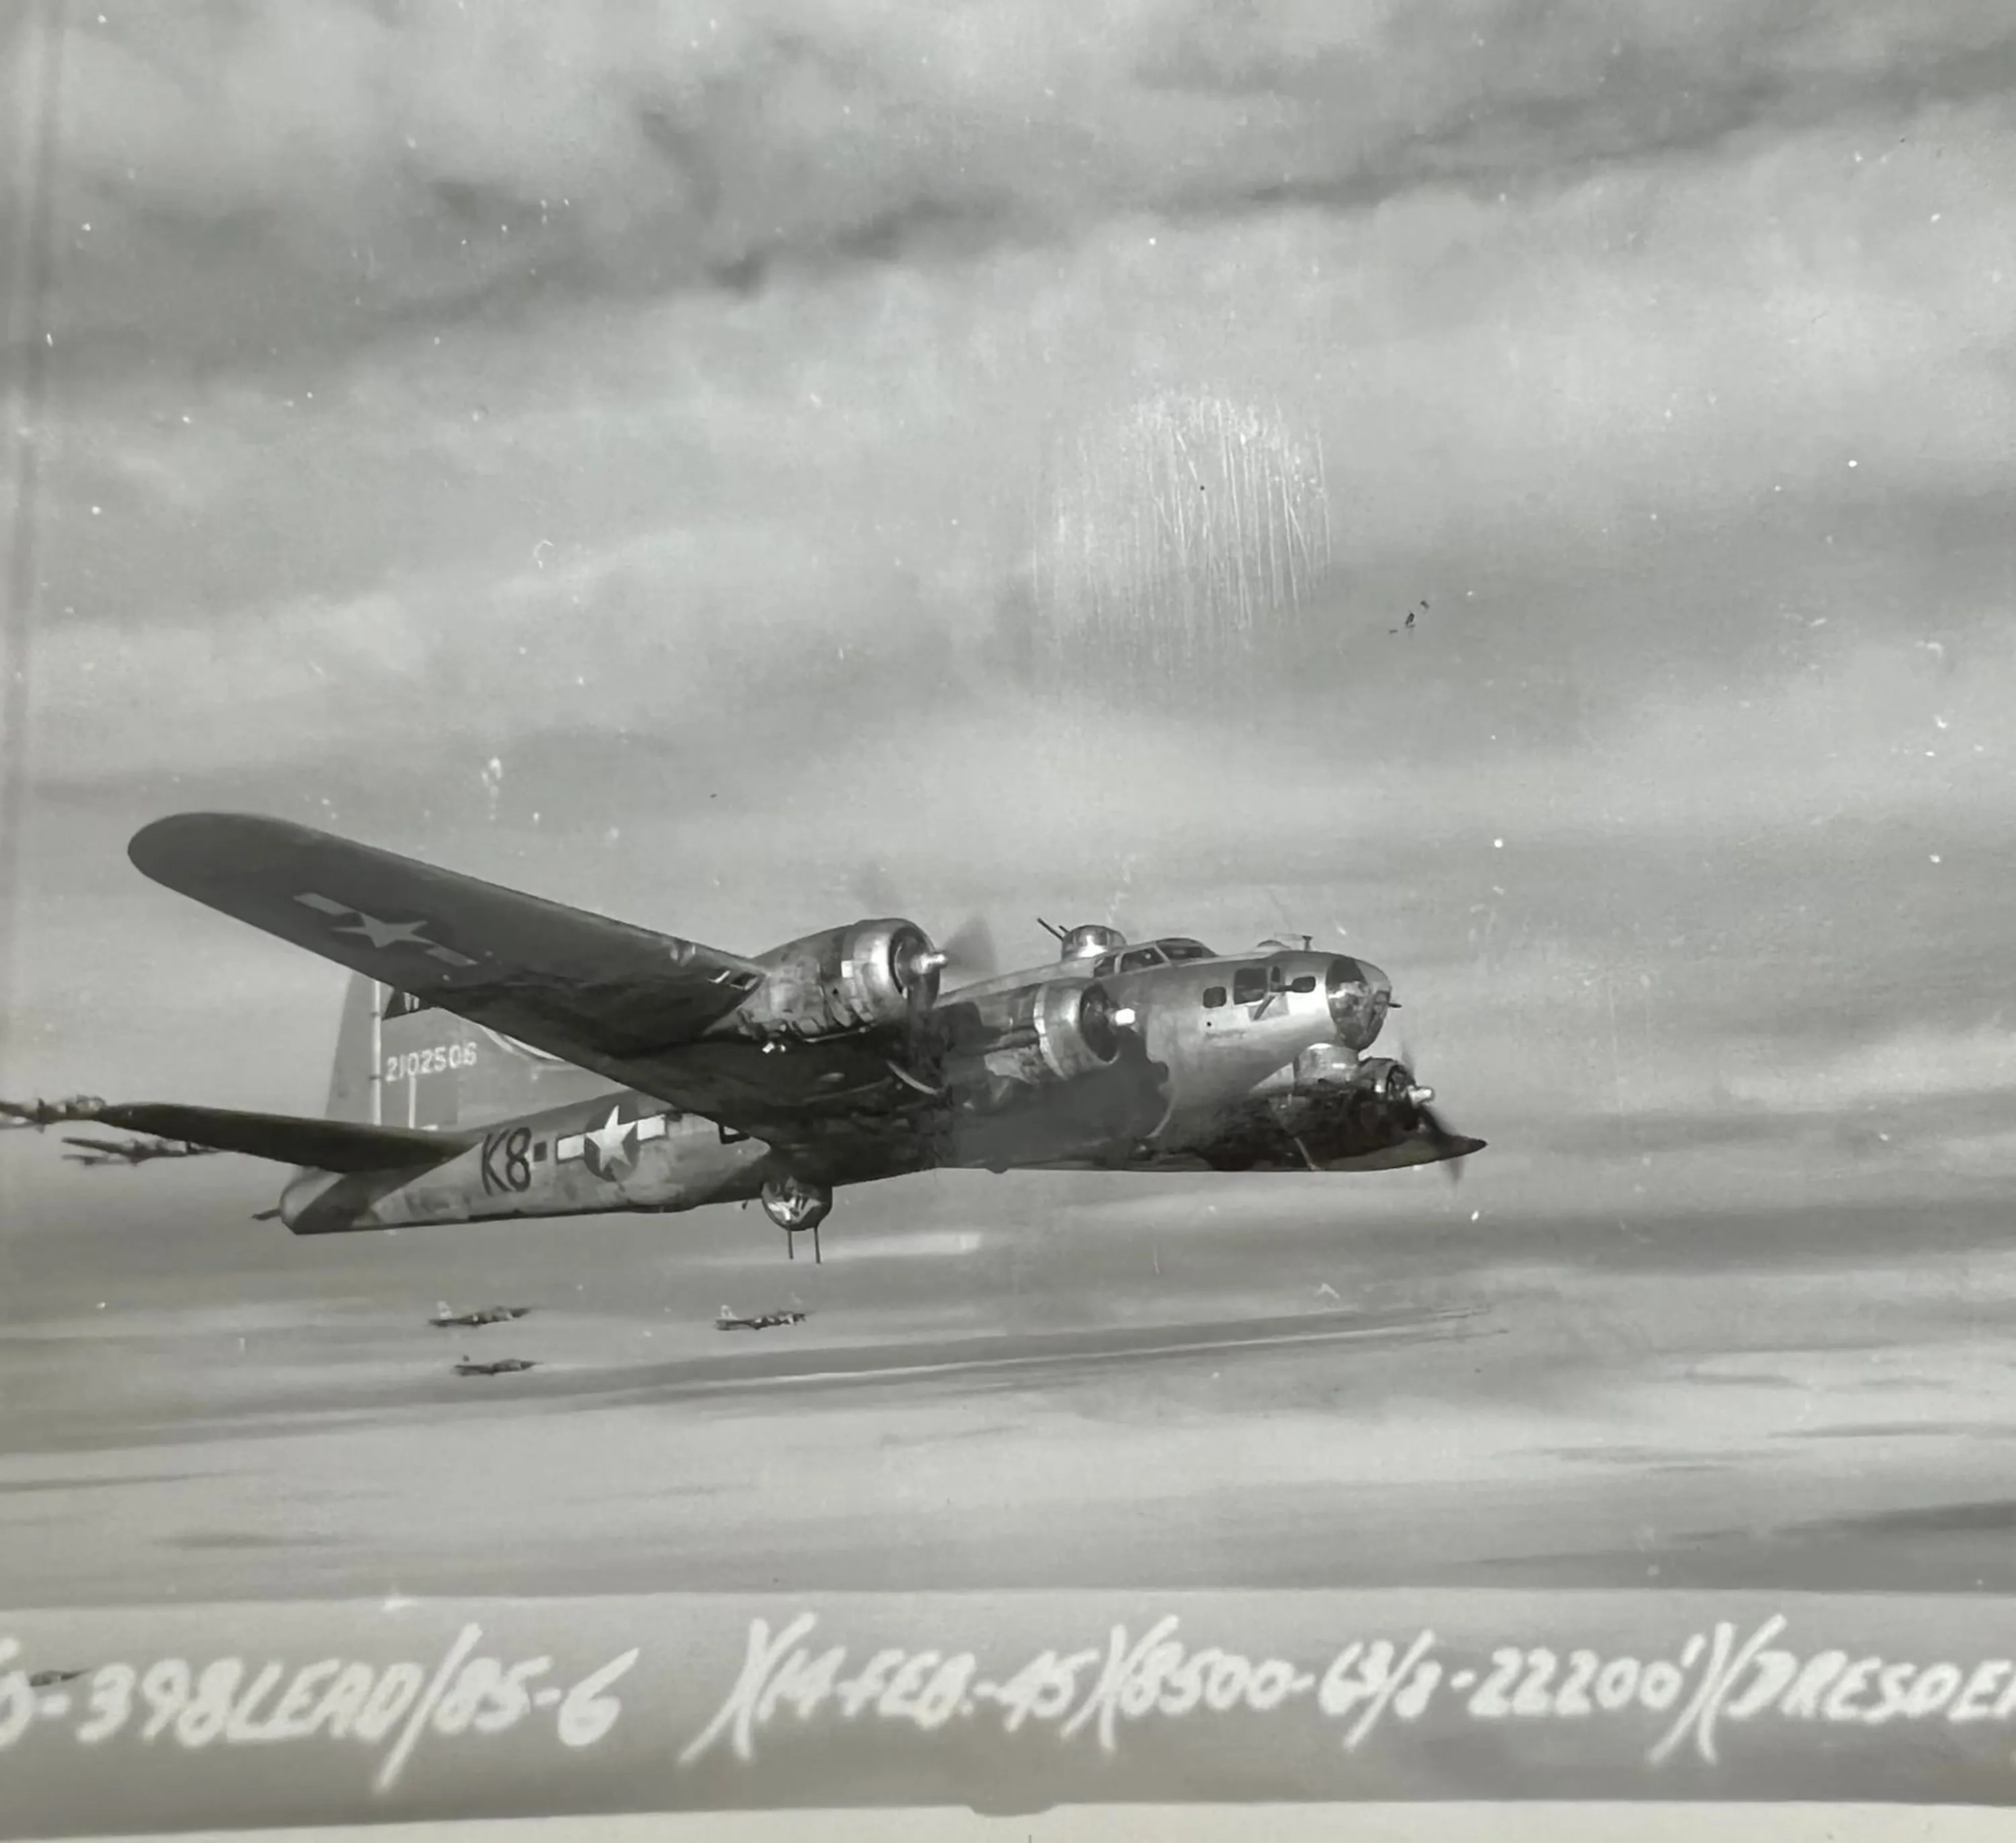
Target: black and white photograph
[{"x": 1004, "y": 908}]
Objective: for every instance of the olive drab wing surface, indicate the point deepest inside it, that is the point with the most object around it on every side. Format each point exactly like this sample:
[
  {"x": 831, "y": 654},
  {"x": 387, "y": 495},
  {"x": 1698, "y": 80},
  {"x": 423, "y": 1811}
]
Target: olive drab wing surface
[{"x": 627, "y": 1002}]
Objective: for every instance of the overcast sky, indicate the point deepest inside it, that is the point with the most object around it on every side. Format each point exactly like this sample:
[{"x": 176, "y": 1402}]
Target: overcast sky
[{"x": 741, "y": 426}]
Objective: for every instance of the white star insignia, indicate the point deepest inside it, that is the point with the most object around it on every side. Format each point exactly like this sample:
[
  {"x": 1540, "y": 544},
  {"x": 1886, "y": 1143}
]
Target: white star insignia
[
  {"x": 387, "y": 934},
  {"x": 612, "y": 1139},
  {"x": 381, "y": 934}
]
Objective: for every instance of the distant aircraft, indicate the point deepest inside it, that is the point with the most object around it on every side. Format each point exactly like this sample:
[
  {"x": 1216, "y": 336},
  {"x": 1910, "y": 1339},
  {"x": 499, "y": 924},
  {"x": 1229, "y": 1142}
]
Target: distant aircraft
[
  {"x": 17, "y": 1117},
  {"x": 45, "y": 1679},
  {"x": 489, "y": 1314},
  {"x": 132, "y": 1152},
  {"x": 503, "y": 1366},
  {"x": 503, "y": 1055},
  {"x": 728, "y": 1320}
]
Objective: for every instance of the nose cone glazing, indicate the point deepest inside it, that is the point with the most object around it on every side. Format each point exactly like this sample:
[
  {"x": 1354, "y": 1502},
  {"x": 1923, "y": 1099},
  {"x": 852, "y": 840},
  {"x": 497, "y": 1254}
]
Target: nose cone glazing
[{"x": 1357, "y": 993}]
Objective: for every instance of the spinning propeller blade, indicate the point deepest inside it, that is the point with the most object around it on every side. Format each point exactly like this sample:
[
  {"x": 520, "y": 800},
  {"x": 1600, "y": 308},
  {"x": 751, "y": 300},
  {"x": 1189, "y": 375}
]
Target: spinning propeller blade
[
  {"x": 1440, "y": 1135},
  {"x": 969, "y": 949}
]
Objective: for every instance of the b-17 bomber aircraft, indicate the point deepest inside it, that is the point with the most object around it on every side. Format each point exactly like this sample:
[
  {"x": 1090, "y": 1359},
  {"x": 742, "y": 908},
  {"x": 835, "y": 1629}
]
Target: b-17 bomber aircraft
[
  {"x": 498, "y": 1366},
  {"x": 17, "y": 1117},
  {"x": 504, "y": 1056},
  {"x": 132, "y": 1152},
  {"x": 444, "y": 1320},
  {"x": 726, "y": 1320}
]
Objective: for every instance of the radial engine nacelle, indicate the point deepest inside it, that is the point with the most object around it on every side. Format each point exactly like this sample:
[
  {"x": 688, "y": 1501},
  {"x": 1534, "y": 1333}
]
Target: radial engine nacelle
[
  {"x": 1040, "y": 1035},
  {"x": 856, "y": 978}
]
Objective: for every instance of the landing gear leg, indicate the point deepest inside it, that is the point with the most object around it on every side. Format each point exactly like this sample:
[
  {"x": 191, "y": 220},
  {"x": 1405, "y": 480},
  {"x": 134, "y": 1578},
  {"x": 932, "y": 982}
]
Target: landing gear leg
[
  {"x": 791, "y": 1244},
  {"x": 796, "y": 1205}
]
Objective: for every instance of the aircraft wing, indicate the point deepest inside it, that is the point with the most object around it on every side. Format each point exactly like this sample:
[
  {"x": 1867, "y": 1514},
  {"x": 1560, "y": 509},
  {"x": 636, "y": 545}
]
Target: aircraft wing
[
  {"x": 321, "y": 1144},
  {"x": 622, "y": 1001},
  {"x": 558, "y": 978}
]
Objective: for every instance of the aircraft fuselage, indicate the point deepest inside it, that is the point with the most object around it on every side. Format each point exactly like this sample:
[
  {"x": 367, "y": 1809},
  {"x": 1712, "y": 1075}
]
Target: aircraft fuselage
[
  {"x": 620, "y": 1151},
  {"x": 1239, "y": 1062}
]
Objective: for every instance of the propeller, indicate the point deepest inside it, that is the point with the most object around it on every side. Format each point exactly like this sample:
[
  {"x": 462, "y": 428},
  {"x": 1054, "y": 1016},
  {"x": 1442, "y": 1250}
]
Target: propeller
[
  {"x": 920, "y": 970},
  {"x": 1416, "y": 1100},
  {"x": 969, "y": 949},
  {"x": 966, "y": 953}
]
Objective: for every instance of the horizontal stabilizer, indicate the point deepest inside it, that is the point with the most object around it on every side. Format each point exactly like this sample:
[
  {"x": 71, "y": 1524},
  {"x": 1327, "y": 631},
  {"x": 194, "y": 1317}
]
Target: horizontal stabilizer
[{"x": 321, "y": 1145}]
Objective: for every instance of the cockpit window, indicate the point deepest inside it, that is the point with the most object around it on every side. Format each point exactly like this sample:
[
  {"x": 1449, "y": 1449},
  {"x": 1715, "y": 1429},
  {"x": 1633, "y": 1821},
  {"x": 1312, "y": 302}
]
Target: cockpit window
[
  {"x": 1249, "y": 985},
  {"x": 1184, "y": 950},
  {"x": 1140, "y": 958},
  {"x": 1105, "y": 966},
  {"x": 1306, "y": 984}
]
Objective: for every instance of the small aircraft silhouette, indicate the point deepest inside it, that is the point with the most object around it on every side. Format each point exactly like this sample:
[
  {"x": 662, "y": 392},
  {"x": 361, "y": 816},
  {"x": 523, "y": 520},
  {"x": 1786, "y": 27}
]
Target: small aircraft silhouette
[
  {"x": 728, "y": 1320},
  {"x": 20, "y": 1116},
  {"x": 503, "y": 1056},
  {"x": 503, "y": 1366},
  {"x": 133, "y": 1151},
  {"x": 1419, "y": 608},
  {"x": 489, "y": 1314}
]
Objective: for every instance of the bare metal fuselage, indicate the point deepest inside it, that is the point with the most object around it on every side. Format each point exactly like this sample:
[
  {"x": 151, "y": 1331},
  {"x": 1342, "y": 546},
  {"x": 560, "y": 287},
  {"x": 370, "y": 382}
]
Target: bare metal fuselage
[{"x": 1206, "y": 1070}]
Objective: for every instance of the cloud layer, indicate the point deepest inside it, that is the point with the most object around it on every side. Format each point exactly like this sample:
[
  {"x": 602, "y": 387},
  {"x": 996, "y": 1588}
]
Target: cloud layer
[
  {"x": 690, "y": 413},
  {"x": 432, "y": 157}
]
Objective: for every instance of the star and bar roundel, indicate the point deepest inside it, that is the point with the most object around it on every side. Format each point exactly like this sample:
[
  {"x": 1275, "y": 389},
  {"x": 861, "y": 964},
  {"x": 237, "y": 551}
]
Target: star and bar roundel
[
  {"x": 345, "y": 918},
  {"x": 610, "y": 1148}
]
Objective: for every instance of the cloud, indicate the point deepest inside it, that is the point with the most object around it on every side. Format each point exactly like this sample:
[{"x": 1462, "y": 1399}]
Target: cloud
[
  {"x": 378, "y": 161},
  {"x": 1916, "y": 1066},
  {"x": 1555, "y": 396}
]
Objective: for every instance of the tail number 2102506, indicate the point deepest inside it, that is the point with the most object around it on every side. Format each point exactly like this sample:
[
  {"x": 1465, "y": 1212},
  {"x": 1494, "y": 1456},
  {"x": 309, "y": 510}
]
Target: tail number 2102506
[{"x": 436, "y": 1061}]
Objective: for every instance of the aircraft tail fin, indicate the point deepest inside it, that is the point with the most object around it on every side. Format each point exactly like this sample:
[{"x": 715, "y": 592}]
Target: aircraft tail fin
[
  {"x": 353, "y": 1082},
  {"x": 403, "y": 1063}
]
